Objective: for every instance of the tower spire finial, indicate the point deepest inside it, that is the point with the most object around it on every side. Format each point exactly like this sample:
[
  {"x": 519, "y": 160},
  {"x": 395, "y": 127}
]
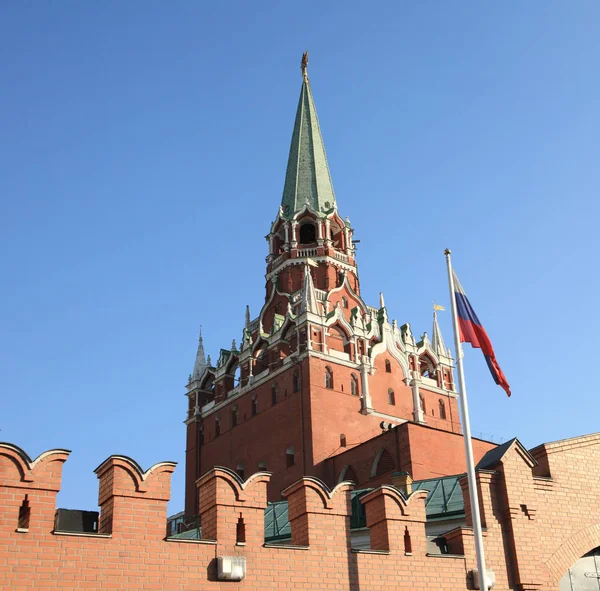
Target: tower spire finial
[{"x": 304, "y": 65}]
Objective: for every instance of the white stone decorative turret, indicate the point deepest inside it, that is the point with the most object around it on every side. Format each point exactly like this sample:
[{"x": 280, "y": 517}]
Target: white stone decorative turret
[
  {"x": 308, "y": 301},
  {"x": 437, "y": 342},
  {"x": 200, "y": 364}
]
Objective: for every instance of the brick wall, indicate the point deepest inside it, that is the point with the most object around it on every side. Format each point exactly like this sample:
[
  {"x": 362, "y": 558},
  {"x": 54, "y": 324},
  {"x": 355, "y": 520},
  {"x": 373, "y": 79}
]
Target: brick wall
[{"x": 538, "y": 519}]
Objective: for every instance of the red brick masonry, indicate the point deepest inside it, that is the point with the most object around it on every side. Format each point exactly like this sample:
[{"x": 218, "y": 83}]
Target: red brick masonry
[{"x": 541, "y": 512}]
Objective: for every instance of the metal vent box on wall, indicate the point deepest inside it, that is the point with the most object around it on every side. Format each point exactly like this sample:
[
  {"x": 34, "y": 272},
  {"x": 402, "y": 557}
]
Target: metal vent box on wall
[
  {"x": 231, "y": 568},
  {"x": 81, "y": 522}
]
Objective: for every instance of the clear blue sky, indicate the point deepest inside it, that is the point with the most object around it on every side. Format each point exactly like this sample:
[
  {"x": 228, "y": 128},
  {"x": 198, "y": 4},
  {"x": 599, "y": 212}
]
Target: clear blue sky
[{"x": 142, "y": 161}]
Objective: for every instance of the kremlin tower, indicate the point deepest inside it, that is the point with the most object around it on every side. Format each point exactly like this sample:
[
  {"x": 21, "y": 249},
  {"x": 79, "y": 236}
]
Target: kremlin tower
[{"x": 321, "y": 384}]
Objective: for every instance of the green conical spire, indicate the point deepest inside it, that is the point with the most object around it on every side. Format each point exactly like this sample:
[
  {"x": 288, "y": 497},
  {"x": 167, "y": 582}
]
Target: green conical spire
[{"x": 307, "y": 179}]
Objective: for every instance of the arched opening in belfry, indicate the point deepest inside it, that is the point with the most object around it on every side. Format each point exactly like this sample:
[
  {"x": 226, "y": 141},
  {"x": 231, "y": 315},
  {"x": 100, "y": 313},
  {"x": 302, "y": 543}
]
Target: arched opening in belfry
[
  {"x": 308, "y": 233},
  {"x": 584, "y": 573}
]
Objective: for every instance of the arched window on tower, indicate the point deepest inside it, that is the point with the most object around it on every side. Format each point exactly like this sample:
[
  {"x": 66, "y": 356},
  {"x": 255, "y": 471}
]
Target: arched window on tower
[
  {"x": 342, "y": 440},
  {"x": 328, "y": 378},
  {"x": 340, "y": 278},
  {"x": 348, "y": 473},
  {"x": 391, "y": 397},
  {"x": 344, "y": 302},
  {"x": 388, "y": 366},
  {"x": 296, "y": 381},
  {"x": 274, "y": 394},
  {"x": 308, "y": 233},
  {"x": 383, "y": 463},
  {"x": 354, "y": 385},
  {"x": 442, "y": 410}
]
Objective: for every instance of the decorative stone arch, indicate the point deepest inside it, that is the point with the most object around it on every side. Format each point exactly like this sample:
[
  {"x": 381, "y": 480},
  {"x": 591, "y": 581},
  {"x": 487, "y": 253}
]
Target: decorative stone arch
[
  {"x": 571, "y": 550},
  {"x": 207, "y": 380},
  {"x": 383, "y": 463},
  {"x": 429, "y": 360},
  {"x": 388, "y": 345},
  {"x": 347, "y": 287},
  {"x": 343, "y": 332},
  {"x": 348, "y": 474}
]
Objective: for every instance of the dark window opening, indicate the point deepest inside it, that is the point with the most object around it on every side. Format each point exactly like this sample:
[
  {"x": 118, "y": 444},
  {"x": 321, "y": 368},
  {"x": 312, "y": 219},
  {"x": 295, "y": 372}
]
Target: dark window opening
[
  {"x": 290, "y": 457},
  {"x": 296, "y": 381},
  {"x": 354, "y": 386},
  {"x": 344, "y": 302},
  {"x": 388, "y": 366},
  {"x": 274, "y": 395},
  {"x": 262, "y": 465},
  {"x": 254, "y": 406},
  {"x": 24, "y": 514},
  {"x": 217, "y": 427},
  {"x": 407, "y": 541},
  {"x": 442, "y": 410},
  {"x": 328, "y": 378},
  {"x": 422, "y": 404},
  {"x": 240, "y": 531},
  {"x": 308, "y": 234},
  {"x": 391, "y": 397},
  {"x": 240, "y": 471},
  {"x": 342, "y": 440}
]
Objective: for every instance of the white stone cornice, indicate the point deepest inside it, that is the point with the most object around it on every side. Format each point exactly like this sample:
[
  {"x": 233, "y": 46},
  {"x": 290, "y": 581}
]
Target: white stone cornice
[{"x": 318, "y": 259}]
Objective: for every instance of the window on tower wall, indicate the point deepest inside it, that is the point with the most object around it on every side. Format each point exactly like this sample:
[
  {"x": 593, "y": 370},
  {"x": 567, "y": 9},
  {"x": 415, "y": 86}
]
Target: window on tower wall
[
  {"x": 234, "y": 416},
  {"x": 274, "y": 395},
  {"x": 391, "y": 397},
  {"x": 340, "y": 278},
  {"x": 254, "y": 405},
  {"x": 388, "y": 366},
  {"x": 354, "y": 385},
  {"x": 290, "y": 456},
  {"x": 344, "y": 302},
  {"x": 217, "y": 426},
  {"x": 422, "y": 403},
  {"x": 328, "y": 378},
  {"x": 296, "y": 381},
  {"x": 308, "y": 234},
  {"x": 442, "y": 410}
]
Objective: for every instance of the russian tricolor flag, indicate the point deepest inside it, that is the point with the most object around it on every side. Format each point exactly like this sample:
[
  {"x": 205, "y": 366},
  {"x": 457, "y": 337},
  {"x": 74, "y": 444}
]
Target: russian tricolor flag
[{"x": 472, "y": 332}]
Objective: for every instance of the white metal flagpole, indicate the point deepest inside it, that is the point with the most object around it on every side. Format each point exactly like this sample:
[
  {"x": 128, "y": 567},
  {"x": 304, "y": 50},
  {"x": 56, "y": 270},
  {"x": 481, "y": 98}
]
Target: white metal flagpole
[{"x": 464, "y": 409}]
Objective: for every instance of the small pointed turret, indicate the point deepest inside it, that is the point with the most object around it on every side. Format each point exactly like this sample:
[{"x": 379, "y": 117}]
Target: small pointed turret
[
  {"x": 437, "y": 341},
  {"x": 200, "y": 363},
  {"x": 308, "y": 302},
  {"x": 307, "y": 179},
  {"x": 247, "y": 324}
]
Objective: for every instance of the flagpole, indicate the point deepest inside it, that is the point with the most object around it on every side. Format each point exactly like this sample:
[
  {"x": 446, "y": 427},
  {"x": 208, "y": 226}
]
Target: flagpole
[{"x": 464, "y": 409}]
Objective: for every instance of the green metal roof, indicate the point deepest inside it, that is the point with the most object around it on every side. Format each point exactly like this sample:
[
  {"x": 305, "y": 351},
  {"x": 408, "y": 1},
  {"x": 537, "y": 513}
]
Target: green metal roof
[
  {"x": 445, "y": 498},
  {"x": 307, "y": 179},
  {"x": 444, "y": 501}
]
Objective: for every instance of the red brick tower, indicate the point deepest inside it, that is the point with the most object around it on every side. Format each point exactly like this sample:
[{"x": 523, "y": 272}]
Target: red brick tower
[{"x": 318, "y": 370}]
